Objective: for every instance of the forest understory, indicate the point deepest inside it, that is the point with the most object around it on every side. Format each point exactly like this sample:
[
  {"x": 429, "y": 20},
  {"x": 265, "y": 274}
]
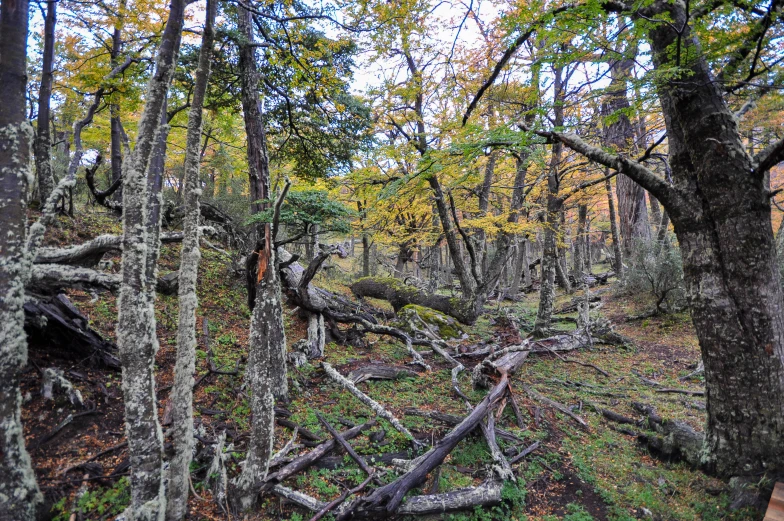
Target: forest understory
[{"x": 598, "y": 470}]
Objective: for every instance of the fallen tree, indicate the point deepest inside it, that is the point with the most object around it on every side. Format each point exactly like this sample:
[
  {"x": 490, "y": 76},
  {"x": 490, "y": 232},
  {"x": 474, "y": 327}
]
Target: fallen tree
[{"x": 400, "y": 295}]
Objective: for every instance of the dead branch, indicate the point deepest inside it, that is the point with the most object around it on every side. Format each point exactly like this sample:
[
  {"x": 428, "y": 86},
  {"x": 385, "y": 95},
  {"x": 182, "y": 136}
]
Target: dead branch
[
  {"x": 555, "y": 405},
  {"x": 385, "y": 500},
  {"x": 380, "y": 372},
  {"x": 367, "y": 400},
  {"x": 306, "y": 460}
]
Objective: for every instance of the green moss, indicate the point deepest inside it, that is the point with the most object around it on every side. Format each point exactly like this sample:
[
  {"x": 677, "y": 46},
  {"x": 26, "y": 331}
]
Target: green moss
[{"x": 446, "y": 326}]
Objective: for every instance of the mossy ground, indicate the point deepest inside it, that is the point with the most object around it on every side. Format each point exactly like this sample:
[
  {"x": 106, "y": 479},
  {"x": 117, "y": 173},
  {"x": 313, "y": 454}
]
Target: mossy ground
[{"x": 574, "y": 475}]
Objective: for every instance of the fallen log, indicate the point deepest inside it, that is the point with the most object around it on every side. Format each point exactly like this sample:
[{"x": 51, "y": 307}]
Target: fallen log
[
  {"x": 486, "y": 494},
  {"x": 367, "y": 400},
  {"x": 452, "y": 420},
  {"x": 88, "y": 254},
  {"x": 399, "y": 295},
  {"x": 556, "y": 405},
  {"x": 56, "y": 324}
]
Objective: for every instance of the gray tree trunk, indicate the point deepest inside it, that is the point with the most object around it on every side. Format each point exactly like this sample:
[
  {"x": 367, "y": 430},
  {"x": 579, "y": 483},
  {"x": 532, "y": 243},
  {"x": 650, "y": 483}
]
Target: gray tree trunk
[
  {"x": 18, "y": 487},
  {"x": 620, "y": 134},
  {"x": 43, "y": 143},
  {"x": 181, "y": 397},
  {"x": 136, "y": 336}
]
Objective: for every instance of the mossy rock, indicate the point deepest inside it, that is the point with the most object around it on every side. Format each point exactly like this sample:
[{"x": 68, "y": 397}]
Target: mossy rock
[{"x": 446, "y": 326}]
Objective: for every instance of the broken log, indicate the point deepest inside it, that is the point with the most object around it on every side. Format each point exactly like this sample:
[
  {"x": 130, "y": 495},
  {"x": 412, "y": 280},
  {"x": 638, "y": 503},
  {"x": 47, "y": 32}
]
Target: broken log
[
  {"x": 367, "y": 400},
  {"x": 556, "y": 405},
  {"x": 486, "y": 494},
  {"x": 55, "y": 324},
  {"x": 88, "y": 254},
  {"x": 452, "y": 420}
]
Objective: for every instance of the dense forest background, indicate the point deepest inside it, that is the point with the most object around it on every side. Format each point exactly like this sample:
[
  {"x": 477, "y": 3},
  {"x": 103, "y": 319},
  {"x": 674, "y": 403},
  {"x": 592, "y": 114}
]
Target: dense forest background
[{"x": 465, "y": 260}]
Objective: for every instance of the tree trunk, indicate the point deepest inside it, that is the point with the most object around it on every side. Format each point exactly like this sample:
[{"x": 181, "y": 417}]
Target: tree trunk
[
  {"x": 365, "y": 255},
  {"x": 114, "y": 108},
  {"x": 266, "y": 370},
  {"x": 549, "y": 260},
  {"x": 136, "y": 321},
  {"x": 580, "y": 241},
  {"x": 730, "y": 268},
  {"x": 620, "y": 134},
  {"x": 614, "y": 235},
  {"x": 554, "y": 209},
  {"x": 18, "y": 487},
  {"x": 181, "y": 397},
  {"x": 43, "y": 144}
]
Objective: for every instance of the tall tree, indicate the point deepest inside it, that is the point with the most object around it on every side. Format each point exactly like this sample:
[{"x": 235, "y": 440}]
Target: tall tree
[
  {"x": 181, "y": 396},
  {"x": 136, "y": 335},
  {"x": 18, "y": 487},
  {"x": 720, "y": 209},
  {"x": 43, "y": 142},
  {"x": 266, "y": 370}
]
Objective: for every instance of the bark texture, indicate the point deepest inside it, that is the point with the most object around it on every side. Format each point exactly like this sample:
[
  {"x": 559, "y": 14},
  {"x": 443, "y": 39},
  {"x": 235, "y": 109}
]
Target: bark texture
[
  {"x": 136, "y": 321},
  {"x": 19, "y": 493},
  {"x": 181, "y": 396}
]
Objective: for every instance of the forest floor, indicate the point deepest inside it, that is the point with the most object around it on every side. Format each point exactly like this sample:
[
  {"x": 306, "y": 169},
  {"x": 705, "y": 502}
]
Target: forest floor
[{"x": 575, "y": 474}]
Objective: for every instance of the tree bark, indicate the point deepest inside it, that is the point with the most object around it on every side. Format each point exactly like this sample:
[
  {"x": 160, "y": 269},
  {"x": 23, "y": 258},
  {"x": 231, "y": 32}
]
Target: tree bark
[
  {"x": 580, "y": 241},
  {"x": 43, "y": 143},
  {"x": 181, "y": 397},
  {"x": 136, "y": 321},
  {"x": 18, "y": 487}
]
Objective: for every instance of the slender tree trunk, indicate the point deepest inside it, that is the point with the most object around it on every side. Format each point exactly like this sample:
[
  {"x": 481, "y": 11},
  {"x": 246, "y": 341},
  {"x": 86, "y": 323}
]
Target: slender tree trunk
[
  {"x": 588, "y": 247},
  {"x": 365, "y": 255},
  {"x": 614, "y": 235},
  {"x": 266, "y": 370},
  {"x": 579, "y": 243},
  {"x": 18, "y": 487},
  {"x": 114, "y": 108},
  {"x": 43, "y": 144},
  {"x": 155, "y": 174},
  {"x": 549, "y": 264},
  {"x": 484, "y": 204},
  {"x": 181, "y": 396},
  {"x": 136, "y": 321}
]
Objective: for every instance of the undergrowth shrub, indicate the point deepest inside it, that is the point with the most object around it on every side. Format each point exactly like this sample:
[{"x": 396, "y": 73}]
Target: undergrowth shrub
[{"x": 655, "y": 271}]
